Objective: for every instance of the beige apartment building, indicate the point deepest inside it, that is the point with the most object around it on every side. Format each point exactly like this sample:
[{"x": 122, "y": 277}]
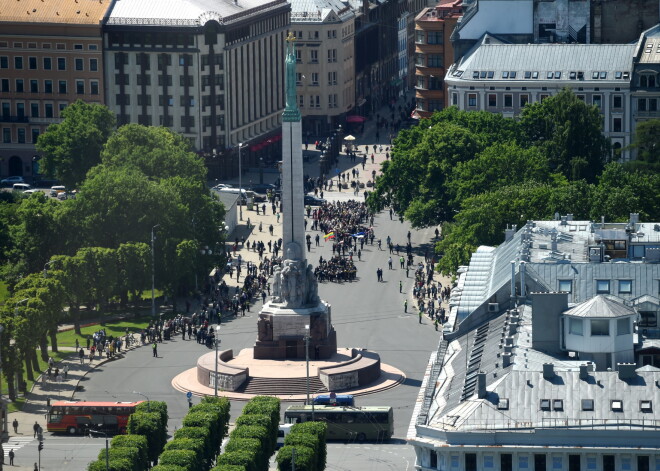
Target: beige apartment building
[
  {"x": 50, "y": 56},
  {"x": 326, "y": 64}
]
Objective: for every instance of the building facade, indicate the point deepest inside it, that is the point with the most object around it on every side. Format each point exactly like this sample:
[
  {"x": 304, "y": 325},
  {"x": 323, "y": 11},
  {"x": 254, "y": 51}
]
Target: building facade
[
  {"x": 645, "y": 82},
  {"x": 549, "y": 358},
  {"x": 503, "y": 78},
  {"x": 324, "y": 31},
  {"x": 215, "y": 76},
  {"x": 434, "y": 55},
  {"x": 50, "y": 56}
]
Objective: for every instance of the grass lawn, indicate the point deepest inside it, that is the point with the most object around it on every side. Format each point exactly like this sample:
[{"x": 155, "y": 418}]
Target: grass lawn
[
  {"x": 117, "y": 328},
  {"x": 43, "y": 366}
]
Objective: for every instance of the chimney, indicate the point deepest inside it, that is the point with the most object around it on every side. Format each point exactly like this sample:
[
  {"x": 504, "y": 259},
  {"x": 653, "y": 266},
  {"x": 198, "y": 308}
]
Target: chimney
[
  {"x": 569, "y": 217},
  {"x": 509, "y": 233},
  {"x": 634, "y": 218},
  {"x": 481, "y": 385},
  {"x": 513, "y": 278},
  {"x": 626, "y": 370},
  {"x": 548, "y": 371},
  {"x": 506, "y": 359},
  {"x": 522, "y": 280},
  {"x": 584, "y": 372},
  {"x": 553, "y": 242}
]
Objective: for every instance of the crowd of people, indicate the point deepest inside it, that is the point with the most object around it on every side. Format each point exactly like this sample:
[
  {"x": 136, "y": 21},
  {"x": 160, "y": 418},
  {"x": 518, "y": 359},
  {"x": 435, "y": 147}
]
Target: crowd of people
[{"x": 338, "y": 268}]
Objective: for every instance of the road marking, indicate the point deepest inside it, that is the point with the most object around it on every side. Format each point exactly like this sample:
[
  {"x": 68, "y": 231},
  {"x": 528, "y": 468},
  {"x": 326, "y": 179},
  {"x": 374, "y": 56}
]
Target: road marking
[{"x": 16, "y": 443}]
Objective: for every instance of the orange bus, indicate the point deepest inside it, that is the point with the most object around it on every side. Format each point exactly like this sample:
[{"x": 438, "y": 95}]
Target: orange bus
[{"x": 77, "y": 417}]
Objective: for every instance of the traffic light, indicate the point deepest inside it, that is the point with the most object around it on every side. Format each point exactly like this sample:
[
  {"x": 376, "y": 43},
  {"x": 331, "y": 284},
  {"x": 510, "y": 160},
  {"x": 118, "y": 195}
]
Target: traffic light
[{"x": 41, "y": 445}]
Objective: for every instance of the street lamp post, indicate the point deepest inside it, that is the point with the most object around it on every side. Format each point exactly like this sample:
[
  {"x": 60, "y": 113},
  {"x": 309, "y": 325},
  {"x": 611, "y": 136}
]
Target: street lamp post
[
  {"x": 107, "y": 449},
  {"x": 240, "y": 182},
  {"x": 153, "y": 272},
  {"x": 217, "y": 342},
  {"x": 307, "y": 366},
  {"x": 146, "y": 397}
]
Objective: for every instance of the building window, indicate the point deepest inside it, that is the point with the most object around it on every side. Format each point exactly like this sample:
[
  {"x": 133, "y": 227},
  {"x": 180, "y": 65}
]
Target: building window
[
  {"x": 79, "y": 64},
  {"x": 61, "y": 87},
  {"x": 21, "y": 135},
  {"x": 600, "y": 327},
  {"x": 434, "y": 37},
  {"x": 4, "y": 87},
  {"x": 434, "y": 60},
  {"x": 48, "y": 86},
  {"x": 603, "y": 286},
  {"x": 315, "y": 78},
  {"x": 472, "y": 99},
  {"x": 166, "y": 121},
  {"x": 524, "y": 99},
  {"x": 34, "y": 86},
  {"x": 32, "y": 63},
  {"x": 419, "y": 37},
  {"x": 332, "y": 55},
  {"x": 543, "y": 96},
  {"x": 435, "y": 105},
  {"x": 508, "y": 101},
  {"x": 625, "y": 286},
  {"x": 596, "y": 100},
  {"x": 61, "y": 63},
  {"x": 301, "y": 101},
  {"x": 48, "y": 110},
  {"x": 34, "y": 110},
  {"x": 575, "y": 326},
  {"x": 4, "y": 62},
  {"x": 454, "y": 99},
  {"x": 20, "y": 86},
  {"x": 648, "y": 319},
  {"x": 48, "y": 63},
  {"x": 616, "y": 125},
  {"x": 623, "y": 326},
  {"x": 35, "y": 135},
  {"x": 18, "y": 62},
  {"x": 93, "y": 65},
  {"x": 298, "y": 55},
  {"x": 6, "y": 135},
  {"x": 492, "y": 100},
  {"x": 617, "y": 102},
  {"x": 146, "y": 79},
  {"x": 20, "y": 110},
  {"x": 80, "y": 87},
  {"x": 332, "y": 78},
  {"x": 314, "y": 56},
  {"x": 566, "y": 286}
]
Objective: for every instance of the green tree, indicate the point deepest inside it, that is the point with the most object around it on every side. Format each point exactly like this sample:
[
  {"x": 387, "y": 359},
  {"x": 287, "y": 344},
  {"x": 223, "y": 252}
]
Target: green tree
[
  {"x": 70, "y": 148},
  {"x": 647, "y": 144},
  {"x": 569, "y": 133}
]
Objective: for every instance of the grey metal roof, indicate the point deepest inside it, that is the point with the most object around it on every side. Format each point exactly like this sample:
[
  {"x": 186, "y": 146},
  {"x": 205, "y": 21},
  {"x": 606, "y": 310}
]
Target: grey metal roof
[
  {"x": 600, "y": 307},
  {"x": 319, "y": 11},
  {"x": 179, "y": 12},
  {"x": 544, "y": 58}
]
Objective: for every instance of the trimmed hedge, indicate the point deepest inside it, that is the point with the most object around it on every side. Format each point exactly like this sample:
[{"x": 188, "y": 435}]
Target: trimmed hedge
[
  {"x": 186, "y": 444},
  {"x": 167, "y": 467},
  {"x": 229, "y": 467},
  {"x": 305, "y": 460},
  {"x": 149, "y": 425},
  {"x": 223, "y": 406},
  {"x": 315, "y": 428},
  {"x": 160, "y": 408},
  {"x": 243, "y": 458},
  {"x": 251, "y": 445},
  {"x": 261, "y": 421},
  {"x": 306, "y": 440},
  {"x": 266, "y": 406},
  {"x": 138, "y": 442},
  {"x": 187, "y": 459},
  {"x": 200, "y": 434},
  {"x": 124, "y": 453},
  {"x": 113, "y": 465}
]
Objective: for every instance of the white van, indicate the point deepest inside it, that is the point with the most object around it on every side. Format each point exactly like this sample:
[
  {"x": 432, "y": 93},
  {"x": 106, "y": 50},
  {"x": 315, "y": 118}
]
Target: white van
[
  {"x": 282, "y": 432},
  {"x": 21, "y": 187},
  {"x": 246, "y": 193},
  {"x": 55, "y": 190}
]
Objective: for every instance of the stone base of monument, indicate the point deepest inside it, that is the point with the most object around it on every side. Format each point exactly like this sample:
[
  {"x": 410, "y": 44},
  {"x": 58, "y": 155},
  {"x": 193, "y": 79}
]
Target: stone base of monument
[
  {"x": 282, "y": 332},
  {"x": 348, "y": 370}
]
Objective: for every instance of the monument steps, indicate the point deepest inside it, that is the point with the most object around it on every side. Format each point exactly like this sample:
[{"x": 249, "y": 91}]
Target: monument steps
[{"x": 281, "y": 386}]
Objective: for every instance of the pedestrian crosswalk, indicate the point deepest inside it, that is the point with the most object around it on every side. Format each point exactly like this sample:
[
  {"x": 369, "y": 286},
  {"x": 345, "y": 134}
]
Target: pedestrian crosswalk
[{"x": 15, "y": 443}]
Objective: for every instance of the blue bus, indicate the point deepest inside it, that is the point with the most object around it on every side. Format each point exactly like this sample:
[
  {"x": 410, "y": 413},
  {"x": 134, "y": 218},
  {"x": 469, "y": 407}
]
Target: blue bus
[{"x": 345, "y": 400}]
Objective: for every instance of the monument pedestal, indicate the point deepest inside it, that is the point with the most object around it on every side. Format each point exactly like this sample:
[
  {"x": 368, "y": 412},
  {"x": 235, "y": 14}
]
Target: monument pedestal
[{"x": 281, "y": 332}]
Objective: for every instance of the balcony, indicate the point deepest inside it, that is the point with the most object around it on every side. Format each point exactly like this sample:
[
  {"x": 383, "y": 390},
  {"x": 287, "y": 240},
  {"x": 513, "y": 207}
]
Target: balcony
[
  {"x": 13, "y": 119},
  {"x": 40, "y": 120}
]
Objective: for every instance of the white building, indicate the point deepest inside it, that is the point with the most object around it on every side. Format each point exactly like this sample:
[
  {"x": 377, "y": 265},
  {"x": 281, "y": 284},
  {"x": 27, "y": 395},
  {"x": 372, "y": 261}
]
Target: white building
[
  {"x": 210, "y": 71},
  {"x": 325, "y": 51},
  {"x": 540, "y": 366},
  {"x": 503, "y": 78}
]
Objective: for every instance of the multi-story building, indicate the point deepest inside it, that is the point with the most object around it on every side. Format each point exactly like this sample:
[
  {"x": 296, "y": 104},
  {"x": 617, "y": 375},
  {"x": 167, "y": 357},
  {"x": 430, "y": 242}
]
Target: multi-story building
[
  {"x": 622, "y": 21},
  {"x": 434, "y": 54},
  {"x": 213, "y": 73},
  {"x": 549, "y": 359},
  {"x": 503, "y": 78},
  {"x": 325, "y": 30},
  {"x": 50, "y": 56},
  {"x": 645, "y": 82}
]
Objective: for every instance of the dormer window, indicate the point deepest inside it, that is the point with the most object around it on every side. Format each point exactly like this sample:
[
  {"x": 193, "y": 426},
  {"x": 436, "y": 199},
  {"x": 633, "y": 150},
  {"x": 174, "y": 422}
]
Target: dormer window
[
  {"x": 558, "y": 405},
  {"x": 645, "y": 406},
  {"x": 545, "y": 404},
  {"x": 505, "y": 74},
  {"x": 587, "y": 404},
  {"x": 503, "y": 404},
  {"x": 617, "y": 405},
  {"x": 600, "y": 327},
  {"x": 602, "y": 286}
]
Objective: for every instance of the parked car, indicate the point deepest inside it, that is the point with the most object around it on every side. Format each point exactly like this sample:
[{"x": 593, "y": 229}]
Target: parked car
[
  {"x": 9, "y": 181},
  {"x": 21, "y": 187},
  {"x": 311, "y": 200},
  {"x": 262, "y": 188},
  {"x": 57, "y": 189}
]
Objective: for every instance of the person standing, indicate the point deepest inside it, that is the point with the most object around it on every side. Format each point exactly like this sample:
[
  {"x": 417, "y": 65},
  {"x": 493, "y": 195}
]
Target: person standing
[
  {"x": 405, "y": 306},
  {"x": 154, "y": 347},
  {"x": 400, "y": 286},
  {"x": 389, "y": 263},
  {"x": 11, "y": 457},
  {"x": 35, "y": 427},
  {"x": 420, "y": 316},
  {"x": 15, "y": 425}
]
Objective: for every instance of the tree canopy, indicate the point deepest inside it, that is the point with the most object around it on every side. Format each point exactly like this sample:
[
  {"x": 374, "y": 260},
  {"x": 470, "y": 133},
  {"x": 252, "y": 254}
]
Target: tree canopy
[{"x": 70, "y": 148}]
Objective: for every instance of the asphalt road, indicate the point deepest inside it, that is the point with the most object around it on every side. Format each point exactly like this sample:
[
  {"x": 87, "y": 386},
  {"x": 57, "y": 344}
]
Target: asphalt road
[{"x": 366, "y": 313}]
